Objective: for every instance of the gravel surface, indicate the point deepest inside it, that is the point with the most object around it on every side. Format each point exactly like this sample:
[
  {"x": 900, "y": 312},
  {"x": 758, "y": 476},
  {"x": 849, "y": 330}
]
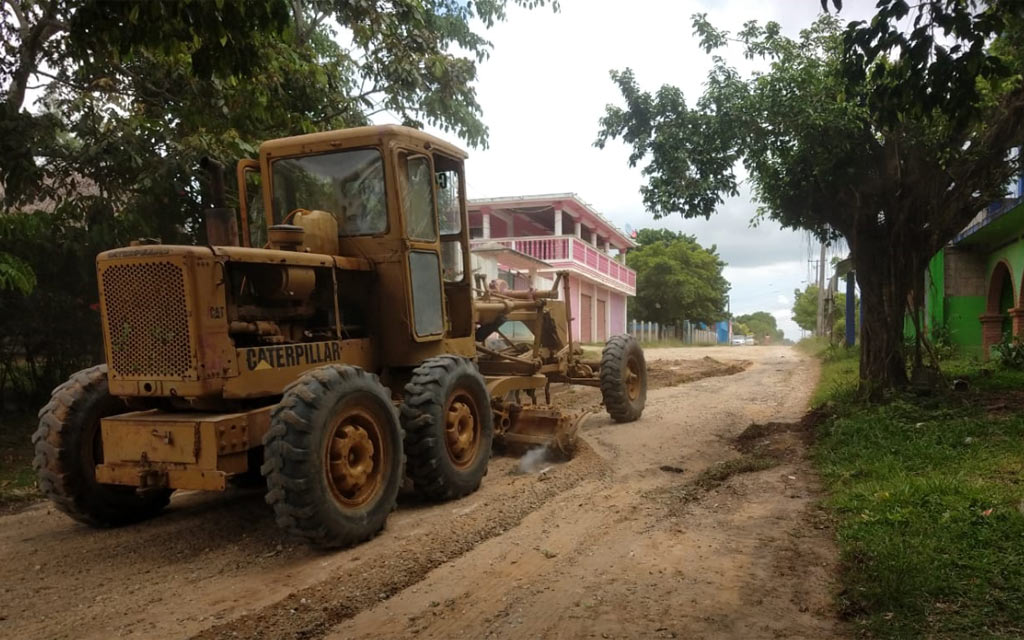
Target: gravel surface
[{"x": 614, "y": 543}]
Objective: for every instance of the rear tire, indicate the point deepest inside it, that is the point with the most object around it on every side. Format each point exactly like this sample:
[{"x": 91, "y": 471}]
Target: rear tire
[
  {"x": 449, "y": 427},
  {"x": 68, "y": 446},
  {"x": 333, "y": 457},
  {"x": 623, "y": 378}
]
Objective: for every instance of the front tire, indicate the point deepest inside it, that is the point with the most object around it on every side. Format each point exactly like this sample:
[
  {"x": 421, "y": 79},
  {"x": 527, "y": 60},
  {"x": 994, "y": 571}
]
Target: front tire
[
  {"x": 623, "y": 378},
  {"x": 68, "y": 446},
  {"x": 449, "y": 427},
  {"x": 333, "y": 457}
]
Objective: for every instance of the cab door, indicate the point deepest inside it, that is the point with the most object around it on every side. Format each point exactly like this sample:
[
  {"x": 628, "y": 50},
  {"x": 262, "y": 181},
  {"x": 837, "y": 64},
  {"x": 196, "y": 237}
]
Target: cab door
[{"x": 419, "y": 216}]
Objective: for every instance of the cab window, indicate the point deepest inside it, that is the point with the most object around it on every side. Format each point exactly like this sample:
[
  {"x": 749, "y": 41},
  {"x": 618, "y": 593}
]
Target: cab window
[
  {"x": 347, "y": 184},
  {"x": 417, "y": 184}
]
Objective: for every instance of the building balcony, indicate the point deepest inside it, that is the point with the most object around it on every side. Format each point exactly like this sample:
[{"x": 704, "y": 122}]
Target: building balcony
[{"x": 569, "y": 252}]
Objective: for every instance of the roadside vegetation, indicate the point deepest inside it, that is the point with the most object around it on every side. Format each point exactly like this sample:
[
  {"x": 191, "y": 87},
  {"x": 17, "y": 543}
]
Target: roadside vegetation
[
  {"x": 17, "y": 479},
  {"x": 928, "y": 495}
]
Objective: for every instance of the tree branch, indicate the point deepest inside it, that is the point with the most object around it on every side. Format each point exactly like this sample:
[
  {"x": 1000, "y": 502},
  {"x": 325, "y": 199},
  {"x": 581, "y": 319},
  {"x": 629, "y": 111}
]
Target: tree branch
[
  {"x": 20, "y": 15},
  {"x": 31, "y": 44}
]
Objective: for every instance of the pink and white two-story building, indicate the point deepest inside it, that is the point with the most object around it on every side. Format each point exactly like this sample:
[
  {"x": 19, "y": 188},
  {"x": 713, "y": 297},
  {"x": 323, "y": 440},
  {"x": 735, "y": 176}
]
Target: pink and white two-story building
[{"x": 554, "y": 232}]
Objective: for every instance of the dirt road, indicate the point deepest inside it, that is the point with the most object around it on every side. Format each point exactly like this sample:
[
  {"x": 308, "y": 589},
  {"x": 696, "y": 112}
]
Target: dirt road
[{"x": 643, "y": 534}]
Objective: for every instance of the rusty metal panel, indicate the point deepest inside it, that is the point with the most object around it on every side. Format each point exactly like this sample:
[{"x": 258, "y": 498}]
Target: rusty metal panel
[
  {"x": 179, "y": 450},
  {"x": 269, "y": 369},
  {"x": 147, "y": 318},
  {"x": 133, "y": 437},
  {"x": 180, "y": 477}
]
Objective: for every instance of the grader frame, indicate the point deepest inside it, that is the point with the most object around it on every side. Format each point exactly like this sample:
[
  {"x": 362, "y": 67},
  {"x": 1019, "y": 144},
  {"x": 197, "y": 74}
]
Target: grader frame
[{"x": 307, "y": 346}]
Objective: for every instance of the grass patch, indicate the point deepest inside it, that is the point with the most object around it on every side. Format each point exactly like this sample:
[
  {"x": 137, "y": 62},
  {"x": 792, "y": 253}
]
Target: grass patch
[
  {"x": 17, "y": 479},
  {"x": 928, "y": 494},
  {"x": 839, "y": 377},
  {"x": 813, "y": 345}
]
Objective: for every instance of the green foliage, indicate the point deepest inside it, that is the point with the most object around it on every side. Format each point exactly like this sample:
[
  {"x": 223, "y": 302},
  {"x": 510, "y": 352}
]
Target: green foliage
[
  {"x": 760, "y": 324},
  {"x": 805, "y": 307},
  {"x": 1009, "y": 353},
  {"x": 132, "y": 94},
  {"x": 676, "y": 279},
  {"x": 805, "y": 311},
  {"x": 891, "y": 133},
  {"x": 942, "y": 343},
  {"x": 16, "y": 275},
  {"x": 927, "y": 506},
  {"x": 17, "y": 478}
]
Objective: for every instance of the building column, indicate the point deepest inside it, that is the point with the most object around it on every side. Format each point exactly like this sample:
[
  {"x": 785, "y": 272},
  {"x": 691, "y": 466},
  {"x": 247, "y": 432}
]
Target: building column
[
  {"x": 486, "y": 217},
  {"x": 578, "y": 229},
  {"x": 558, "y": 222},
  {"x": 1017, "y": 314},
  {"x": 991, "y": 331}
]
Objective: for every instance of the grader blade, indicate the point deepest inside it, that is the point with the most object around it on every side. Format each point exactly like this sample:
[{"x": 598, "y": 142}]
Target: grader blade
[{"x": 544, "y": 426}]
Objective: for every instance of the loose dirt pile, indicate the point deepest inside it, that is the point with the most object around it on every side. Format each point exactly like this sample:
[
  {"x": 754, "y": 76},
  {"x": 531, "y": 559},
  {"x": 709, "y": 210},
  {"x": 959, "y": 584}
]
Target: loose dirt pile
[
  {"x": 669, "y": 373},
  {"x": 660, "y": 374}
]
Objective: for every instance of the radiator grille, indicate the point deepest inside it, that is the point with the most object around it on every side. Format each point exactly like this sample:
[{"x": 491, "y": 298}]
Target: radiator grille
[{"x": 147, "y": 320}]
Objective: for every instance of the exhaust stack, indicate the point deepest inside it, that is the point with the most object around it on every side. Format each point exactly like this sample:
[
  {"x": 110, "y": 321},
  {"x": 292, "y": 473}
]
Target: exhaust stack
[{"x": 221, "y": 222}]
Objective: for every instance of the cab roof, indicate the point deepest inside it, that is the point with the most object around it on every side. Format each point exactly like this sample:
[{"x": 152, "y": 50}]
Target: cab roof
[{"x": 288, "y": 146}]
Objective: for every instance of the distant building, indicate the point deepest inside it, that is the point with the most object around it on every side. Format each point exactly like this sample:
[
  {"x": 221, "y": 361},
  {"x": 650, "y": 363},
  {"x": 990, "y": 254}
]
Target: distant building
[
  {"x": 973, "y": 288},
  {"x": 559, "y": 232}
]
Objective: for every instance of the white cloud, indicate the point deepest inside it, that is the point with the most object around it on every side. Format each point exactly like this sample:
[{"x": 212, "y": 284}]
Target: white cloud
[{"x": 546, "y": 85}]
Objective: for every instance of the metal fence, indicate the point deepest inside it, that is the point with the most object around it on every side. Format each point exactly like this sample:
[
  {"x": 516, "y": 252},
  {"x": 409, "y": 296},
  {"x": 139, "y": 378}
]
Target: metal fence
[{"x": 686, "y": 332}]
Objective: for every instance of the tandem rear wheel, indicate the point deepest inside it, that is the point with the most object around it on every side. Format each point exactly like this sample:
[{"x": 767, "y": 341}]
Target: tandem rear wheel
[
  {"x": 449, "y": 427},
  {"x": 623, "y": 378},
  {"x": 333, "y": 457}
]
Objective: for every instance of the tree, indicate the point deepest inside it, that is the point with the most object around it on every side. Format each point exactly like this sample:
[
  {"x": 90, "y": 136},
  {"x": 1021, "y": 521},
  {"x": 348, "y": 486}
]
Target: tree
[
  {"x": 805, "y": 307},
  {"x": 805, "y": 311},
  {"x": 892, "y": 140},
  {"x": 676, "y": 279},
  {"x": 107, "y": 107},
  {"x": 762, "y": 325}
]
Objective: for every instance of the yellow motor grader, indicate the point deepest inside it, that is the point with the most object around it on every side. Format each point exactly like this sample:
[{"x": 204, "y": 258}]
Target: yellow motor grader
[{"x": 330, "y": 337}]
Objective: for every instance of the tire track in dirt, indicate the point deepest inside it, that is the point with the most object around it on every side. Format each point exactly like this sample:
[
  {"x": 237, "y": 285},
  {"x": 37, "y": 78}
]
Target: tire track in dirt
[
  {"x": 215, "y": 566},
  {"x": 310, "y": 612},
  {"x": 636, "y": 554}
]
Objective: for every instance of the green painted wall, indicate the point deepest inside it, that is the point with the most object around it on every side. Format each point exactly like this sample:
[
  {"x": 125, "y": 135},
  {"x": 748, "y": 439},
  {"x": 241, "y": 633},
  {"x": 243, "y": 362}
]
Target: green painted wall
[
  {"x": 962, "y": 319},
  {"x": 934, "y": 310},
  {"x": 960, "y": 313}
]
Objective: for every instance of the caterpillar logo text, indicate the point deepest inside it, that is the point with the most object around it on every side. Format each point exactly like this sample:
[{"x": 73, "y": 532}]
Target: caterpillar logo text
[{"x": 291, "y": 355}]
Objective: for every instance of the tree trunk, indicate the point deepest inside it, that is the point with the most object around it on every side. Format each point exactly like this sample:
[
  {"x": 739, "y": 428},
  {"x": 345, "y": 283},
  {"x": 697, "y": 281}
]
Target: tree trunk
[{"x": 886, "y": 275}]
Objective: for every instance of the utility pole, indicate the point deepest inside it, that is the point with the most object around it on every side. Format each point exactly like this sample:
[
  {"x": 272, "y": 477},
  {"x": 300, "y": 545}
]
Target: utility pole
[{"x": 821, "y": 293}]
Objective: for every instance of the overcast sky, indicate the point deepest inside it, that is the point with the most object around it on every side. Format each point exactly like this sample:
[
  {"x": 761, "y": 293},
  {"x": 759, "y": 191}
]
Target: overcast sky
[{"x": 545, "y": 87}]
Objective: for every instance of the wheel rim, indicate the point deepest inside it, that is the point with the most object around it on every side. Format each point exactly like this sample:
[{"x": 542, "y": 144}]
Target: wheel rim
[
  {"x": 462, "y": 429},
  {"x": 633, "y": 378},
  {"x": 356, "y": 456}
]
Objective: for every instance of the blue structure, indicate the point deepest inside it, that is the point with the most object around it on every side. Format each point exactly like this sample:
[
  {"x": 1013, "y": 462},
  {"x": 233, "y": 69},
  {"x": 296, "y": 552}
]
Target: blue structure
[{"x": 723, "y": 330}]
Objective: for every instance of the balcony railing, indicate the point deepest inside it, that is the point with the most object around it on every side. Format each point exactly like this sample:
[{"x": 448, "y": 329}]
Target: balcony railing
[{"x": 569, "y": 252}]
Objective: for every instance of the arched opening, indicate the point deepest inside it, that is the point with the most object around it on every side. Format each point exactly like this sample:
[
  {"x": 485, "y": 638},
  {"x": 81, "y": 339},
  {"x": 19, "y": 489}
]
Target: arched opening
[
  {"x": 997, "y": 320},
  {"x": 1000, "y": 293}
]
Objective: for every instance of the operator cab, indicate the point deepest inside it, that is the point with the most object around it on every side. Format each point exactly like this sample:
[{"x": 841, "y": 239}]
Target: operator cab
[{"x": 392, "y": 195}]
